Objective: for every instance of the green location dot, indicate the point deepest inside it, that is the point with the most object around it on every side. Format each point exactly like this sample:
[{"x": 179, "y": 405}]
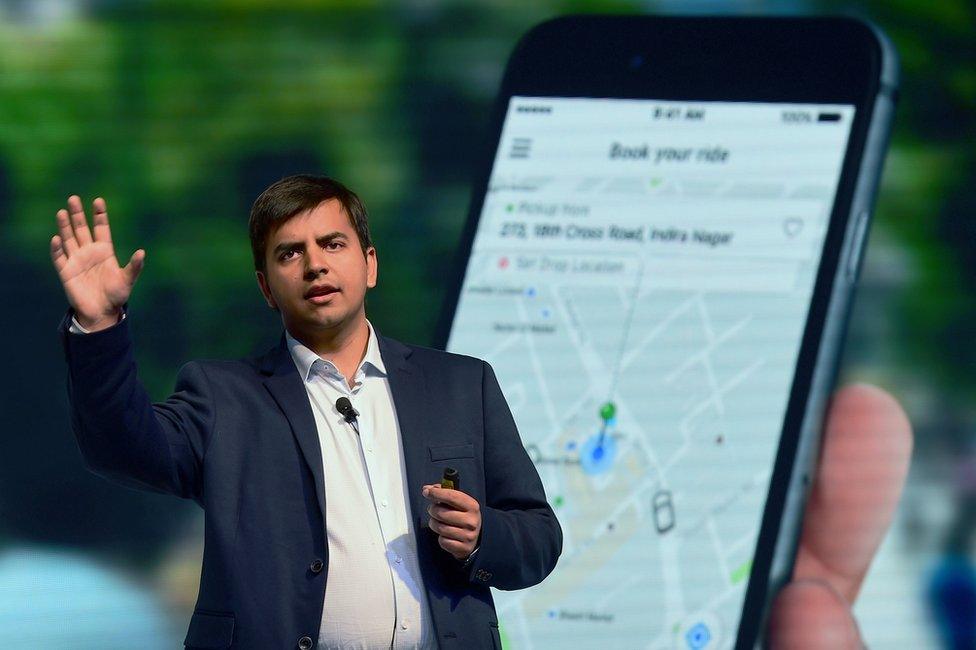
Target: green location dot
[
  {"x": 558, "y": 501},
  {"x": 741, "y": 572},
  {"x": 509, "y": 207},
  {"x": 655, "y": 182},
  {"x": 607, "y": 411}
]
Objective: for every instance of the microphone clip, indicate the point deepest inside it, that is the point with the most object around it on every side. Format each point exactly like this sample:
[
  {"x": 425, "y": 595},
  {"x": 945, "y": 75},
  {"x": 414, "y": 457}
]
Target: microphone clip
[{"x": 345, "y": 408}]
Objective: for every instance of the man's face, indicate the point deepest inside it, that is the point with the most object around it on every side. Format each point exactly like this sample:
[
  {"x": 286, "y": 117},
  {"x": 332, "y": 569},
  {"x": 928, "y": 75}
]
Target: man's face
[{"x": 317, "y": 274}]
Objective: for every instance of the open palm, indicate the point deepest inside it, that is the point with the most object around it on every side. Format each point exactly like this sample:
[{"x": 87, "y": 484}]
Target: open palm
[{"x": 94, "y": 283}]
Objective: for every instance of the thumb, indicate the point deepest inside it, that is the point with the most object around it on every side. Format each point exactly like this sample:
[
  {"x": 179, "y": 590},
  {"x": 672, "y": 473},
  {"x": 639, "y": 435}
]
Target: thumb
[
  {"x": 134, "y": 267},
  {"x": 809, "y": 614}
]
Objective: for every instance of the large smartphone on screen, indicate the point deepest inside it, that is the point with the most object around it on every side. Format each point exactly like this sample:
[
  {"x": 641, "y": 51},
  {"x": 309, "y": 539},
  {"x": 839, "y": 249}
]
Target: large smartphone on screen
[{"x": 659, "y": 260}]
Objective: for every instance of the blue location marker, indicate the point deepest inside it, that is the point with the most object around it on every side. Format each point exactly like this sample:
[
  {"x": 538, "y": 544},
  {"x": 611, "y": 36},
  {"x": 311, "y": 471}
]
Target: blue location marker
[
  {"x": 571, "y": 445},
  {"x": 598, "y": 453},
  {"x": 698, "y": 636},
  {"x": 530, "y": 292}
]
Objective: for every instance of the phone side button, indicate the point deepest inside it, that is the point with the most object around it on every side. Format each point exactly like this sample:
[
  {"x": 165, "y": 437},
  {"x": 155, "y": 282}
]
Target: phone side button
[{"x": 857, "y": 245}]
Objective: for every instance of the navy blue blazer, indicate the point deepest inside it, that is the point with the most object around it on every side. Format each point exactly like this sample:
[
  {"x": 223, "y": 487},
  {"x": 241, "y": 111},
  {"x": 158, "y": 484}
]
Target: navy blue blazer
[{"x": 239, "y": 438}]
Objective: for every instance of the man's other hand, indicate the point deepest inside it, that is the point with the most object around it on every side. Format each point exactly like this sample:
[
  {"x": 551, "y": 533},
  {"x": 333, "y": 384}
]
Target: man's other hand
[
  {"x": 94, "y": 283},
  {"x": 455, "y": 517},
  {"x": 863, "y": 463}
]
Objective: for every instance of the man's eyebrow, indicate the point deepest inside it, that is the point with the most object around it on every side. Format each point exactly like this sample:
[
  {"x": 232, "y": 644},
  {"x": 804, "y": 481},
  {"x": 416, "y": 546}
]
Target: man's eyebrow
[{"x": 324, "y": 239}]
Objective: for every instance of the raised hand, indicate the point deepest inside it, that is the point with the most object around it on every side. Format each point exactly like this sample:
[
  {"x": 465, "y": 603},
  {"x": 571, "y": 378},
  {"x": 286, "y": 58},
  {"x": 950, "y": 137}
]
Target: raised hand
[{"x": 95, "y": 285}]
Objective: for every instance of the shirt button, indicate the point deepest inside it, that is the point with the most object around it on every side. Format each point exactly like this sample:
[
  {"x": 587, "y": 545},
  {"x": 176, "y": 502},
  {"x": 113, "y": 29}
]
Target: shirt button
[
  {"x": 316, "y": 566},
  {"x": 399, "y": 559},
  {"x": 403, "y": 625},
  {"x": 369, "y": 448},
  {"x": 383, "y": 503},
  {"x": 305, "y": 643}
]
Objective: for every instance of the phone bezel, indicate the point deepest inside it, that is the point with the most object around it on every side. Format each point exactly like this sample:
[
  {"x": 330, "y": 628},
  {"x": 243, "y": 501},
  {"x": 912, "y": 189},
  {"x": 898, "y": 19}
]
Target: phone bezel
[{"x": 829, "y": 60}]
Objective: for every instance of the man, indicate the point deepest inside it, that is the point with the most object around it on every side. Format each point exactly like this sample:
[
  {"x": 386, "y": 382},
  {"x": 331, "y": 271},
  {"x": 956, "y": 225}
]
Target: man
[
  {"x": 325, "y": 527},
  {"x": 264, "y": 506}
]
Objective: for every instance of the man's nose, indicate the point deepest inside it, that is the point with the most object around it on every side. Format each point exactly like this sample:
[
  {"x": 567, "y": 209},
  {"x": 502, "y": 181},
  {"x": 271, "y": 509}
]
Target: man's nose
[{"x": 316, "y": 261}]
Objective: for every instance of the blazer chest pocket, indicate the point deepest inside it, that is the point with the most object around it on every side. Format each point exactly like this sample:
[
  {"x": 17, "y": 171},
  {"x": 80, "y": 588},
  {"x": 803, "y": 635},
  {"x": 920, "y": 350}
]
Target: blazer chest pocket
[
  {"x": 210, "y": 630},
  {"x": 446, "y": 452}
]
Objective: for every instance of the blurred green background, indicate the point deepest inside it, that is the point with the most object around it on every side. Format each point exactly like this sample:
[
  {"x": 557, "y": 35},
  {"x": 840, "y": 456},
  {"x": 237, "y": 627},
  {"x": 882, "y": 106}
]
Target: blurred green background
[{"x": 180, "y": 113}]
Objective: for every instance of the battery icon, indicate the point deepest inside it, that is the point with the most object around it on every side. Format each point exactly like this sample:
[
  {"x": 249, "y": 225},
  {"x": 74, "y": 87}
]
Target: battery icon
[{"x": 828, "y": 117}]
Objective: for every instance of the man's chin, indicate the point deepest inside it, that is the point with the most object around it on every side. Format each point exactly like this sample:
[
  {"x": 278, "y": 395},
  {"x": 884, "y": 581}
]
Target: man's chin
[
  {"x": 320, "y": 318},
  {"x": 326, "y": 320}
]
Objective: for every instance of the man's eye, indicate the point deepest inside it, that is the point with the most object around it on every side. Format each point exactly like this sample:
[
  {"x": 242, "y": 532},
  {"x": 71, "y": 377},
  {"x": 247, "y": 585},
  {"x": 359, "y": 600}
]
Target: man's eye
[
  {"x": 286, "y": 254},
  {"x": 335, "y": 244}
]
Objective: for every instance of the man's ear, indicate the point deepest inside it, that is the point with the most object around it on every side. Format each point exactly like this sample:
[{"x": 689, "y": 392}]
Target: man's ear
[
  {"x": 371, "y": 267},
  {"x": 266, "y": 290}
]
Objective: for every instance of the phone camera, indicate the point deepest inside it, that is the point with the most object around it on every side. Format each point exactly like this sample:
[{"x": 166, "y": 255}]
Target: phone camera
[{"x": 636, "y": 62}]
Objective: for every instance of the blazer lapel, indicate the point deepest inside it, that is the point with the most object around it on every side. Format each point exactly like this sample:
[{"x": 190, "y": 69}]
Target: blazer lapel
[
  {"x": 408, "y": 384},
  {"x": 286, "y": 386}
]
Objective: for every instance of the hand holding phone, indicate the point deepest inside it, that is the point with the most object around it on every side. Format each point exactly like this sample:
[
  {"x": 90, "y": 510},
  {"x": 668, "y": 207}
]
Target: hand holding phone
[{"x": 866, "y": 451}]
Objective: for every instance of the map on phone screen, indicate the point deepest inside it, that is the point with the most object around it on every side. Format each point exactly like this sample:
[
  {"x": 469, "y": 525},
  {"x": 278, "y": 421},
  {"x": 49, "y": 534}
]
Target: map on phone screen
[{"x": 639, "y": 281}]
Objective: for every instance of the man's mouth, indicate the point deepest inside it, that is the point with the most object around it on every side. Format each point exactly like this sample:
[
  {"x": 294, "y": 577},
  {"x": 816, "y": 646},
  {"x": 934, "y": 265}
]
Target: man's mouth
[{"x": 317, "y": 294}]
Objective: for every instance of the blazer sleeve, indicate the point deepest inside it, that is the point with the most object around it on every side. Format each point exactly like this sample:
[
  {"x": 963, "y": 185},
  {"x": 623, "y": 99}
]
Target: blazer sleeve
[
  {"x": 520, "y": 536},
  {"x": 121, "y": 434}
]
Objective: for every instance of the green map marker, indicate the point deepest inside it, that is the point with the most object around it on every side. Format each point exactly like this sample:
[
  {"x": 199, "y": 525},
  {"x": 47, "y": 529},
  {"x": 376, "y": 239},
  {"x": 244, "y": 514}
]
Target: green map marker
[
  {"x": 741, "y": 572},
  {"x": 607, "y": 411}
]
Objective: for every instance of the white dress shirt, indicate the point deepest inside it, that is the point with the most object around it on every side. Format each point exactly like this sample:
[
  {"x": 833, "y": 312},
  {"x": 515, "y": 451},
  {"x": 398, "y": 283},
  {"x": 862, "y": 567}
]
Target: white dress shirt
[
  {"x": 374, "y": 594},
  {"x": 76, "y": 327}
]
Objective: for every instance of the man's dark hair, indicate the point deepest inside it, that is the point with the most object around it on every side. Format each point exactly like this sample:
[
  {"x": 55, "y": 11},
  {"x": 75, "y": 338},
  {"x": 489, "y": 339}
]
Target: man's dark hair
[{"x": 293, "y": 195}]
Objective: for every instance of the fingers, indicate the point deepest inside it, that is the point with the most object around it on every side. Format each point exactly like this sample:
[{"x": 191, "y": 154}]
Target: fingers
[
  {"x": 810, "y": 615},
  {"x": 452, "y": 517},
  {"x": 57, "y": 253},
  {"x": 462, "y": 535},
  {"x": 100, "y": 221},
  {"x": 459, "y": 550},
  {"x": 453, "y": 498},
  {"x": 66, "y": 233},
  {"x": 73, "y": 229},
  {"x": 863, "y": 464},
  {"x": 455, "y": 517},
  {"x": 78, "y": 221},
  {"x": 134, "y": 267}
]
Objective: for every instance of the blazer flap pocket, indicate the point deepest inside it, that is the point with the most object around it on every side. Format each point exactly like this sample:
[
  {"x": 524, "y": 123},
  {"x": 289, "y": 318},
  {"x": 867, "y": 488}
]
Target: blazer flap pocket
[
  {"x": 443, "y": 452},
  {"x": 210, "y": 630}
]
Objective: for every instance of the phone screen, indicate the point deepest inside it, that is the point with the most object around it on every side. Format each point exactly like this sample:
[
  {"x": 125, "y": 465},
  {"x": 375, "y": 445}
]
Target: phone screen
[{"x": 639, "y": 280}]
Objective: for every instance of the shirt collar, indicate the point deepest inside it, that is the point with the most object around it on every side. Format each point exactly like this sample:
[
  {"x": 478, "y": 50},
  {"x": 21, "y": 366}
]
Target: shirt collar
[{"x": 305, "y": 358}]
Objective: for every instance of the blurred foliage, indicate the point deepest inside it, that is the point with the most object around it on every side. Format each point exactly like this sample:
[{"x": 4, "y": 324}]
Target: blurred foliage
[{"x": 927, "y": 206}]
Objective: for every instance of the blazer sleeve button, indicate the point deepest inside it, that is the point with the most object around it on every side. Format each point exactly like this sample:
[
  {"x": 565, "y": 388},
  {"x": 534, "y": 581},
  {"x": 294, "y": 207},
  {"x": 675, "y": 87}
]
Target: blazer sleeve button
[
  {"x": 305, "y": 643},
  {"x": 316, "y": 566}
]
